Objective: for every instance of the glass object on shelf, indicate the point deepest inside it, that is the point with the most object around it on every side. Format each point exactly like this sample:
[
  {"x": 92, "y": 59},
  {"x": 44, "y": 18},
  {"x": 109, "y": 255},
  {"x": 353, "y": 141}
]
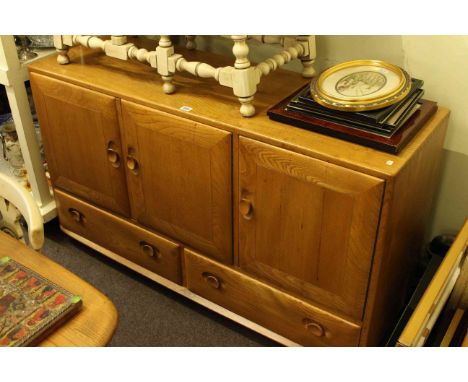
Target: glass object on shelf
[
  {"x": 43, "y": 41},
  {"x": 11, "y": 149},
  {"x": 25, "y": 52}
]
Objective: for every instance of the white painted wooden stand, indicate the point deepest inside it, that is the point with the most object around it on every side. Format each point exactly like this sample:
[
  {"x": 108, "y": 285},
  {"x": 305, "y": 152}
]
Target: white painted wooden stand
[
  {"x": 243, "y": 77},
  {"x": 13, "y": 74}
]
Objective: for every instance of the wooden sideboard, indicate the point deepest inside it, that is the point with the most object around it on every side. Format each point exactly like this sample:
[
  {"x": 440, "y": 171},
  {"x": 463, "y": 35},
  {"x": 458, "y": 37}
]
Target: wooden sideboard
[{"x": 290, "y": 232}]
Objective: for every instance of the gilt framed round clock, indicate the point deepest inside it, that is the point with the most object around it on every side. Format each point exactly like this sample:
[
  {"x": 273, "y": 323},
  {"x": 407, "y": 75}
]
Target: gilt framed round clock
[{"x": 361, "y": 85}]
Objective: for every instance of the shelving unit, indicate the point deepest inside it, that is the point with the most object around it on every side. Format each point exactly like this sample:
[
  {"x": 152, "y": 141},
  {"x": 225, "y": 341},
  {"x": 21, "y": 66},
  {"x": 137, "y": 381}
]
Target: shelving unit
[{"x": 13, "y": 75}]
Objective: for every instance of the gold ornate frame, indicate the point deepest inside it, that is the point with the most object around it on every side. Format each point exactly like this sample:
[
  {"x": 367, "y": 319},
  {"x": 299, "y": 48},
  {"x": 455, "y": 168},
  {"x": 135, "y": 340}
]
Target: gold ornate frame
[{"x": 358, "y": 104}]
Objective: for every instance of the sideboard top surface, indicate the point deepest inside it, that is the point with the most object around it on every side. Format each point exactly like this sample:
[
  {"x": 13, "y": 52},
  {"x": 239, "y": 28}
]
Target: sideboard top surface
[{"x": 215, "y": 105}]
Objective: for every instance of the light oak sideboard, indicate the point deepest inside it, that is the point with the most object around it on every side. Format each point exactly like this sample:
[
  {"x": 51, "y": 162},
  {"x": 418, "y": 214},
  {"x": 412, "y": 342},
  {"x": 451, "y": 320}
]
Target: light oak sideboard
[{"x": 308, "y": 239}]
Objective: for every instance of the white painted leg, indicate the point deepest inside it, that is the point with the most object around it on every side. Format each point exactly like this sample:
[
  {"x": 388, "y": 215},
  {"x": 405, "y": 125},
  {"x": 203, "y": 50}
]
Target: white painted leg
[
  {"x": 119, "y": 40},
  {"x": 62, "y": 56},
  {"x": 308, "y": 57},
  {"x": 244, "y": 81},
  {"x": 247, "y": 109},
  {"x": 309, "y": 70},
  {"x": 165, "y": 50},
  {"x": 168, "y": 86},
  {"x": 62, "y": 49}
]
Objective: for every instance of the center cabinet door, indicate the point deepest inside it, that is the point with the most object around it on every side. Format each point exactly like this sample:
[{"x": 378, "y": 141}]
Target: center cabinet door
[
  {"x": 179, "y": 177},
  {"x": 307, "y": 226}
]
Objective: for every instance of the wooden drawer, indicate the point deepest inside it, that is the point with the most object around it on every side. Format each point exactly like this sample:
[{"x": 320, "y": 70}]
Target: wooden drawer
[
  {"x": 136, "y": 244},
  {"x": 267, "y": 306}
]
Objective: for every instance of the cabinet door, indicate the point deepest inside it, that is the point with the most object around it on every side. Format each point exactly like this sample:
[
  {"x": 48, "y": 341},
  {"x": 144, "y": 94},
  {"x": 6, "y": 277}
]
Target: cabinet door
[
  {"x": 179, "y": 178},
  {"x": 82, "y": 142},
  {"x": 306, "y": 225}
]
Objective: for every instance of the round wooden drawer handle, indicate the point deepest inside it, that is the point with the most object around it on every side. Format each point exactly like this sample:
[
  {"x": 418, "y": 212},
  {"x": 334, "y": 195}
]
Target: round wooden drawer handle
[
  {"x": 314, "y": 327},
  {"x": 211, "y": 279},
  {"x": 150, "y": 250},
  {"x": 76, "y": 215}
]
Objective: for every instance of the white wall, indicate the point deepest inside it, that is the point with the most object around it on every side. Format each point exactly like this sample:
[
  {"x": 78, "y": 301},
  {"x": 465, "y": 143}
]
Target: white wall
[{"x": 442, "y": 62}]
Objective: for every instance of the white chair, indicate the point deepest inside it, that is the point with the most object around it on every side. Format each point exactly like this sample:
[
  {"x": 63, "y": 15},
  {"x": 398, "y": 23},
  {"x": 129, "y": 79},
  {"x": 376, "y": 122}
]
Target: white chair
[{"x": 15, "y": 201}]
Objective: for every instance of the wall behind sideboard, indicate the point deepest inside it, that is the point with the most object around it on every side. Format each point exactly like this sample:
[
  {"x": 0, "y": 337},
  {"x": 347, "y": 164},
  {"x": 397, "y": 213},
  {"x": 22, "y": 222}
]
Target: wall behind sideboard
[{"x": 442, "y": 62}]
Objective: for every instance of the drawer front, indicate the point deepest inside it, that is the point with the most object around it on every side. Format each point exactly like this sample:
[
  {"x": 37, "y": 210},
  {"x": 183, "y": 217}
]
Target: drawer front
[
  {"x": 136, "y": 244},
  {"x": 267, "y": 306}
]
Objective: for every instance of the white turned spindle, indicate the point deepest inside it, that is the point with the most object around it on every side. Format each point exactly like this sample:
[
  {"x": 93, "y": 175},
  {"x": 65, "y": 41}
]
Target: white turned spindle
[
  {"x": 119, "y": 40},
  {"x": 247, "y": 109},
  {"x": 241, "y": 52},
  {"x": 62, "y": 50},
  {"x": 308, "y": 71},
  {"x": 308, "y": 55},
  {"x": 273, "y": 63},
  {"x": 141, "y": 55},
  {"x": 165, "y": 50},
  {"x": 96, "y": 43},
  {"x": 198, "y": 69},
  {"x": 89, "y": 41},
  {"x": 165, "y": 41},
  {"x": 62, "y": 56},
  {"x": 243, "y": 81}
]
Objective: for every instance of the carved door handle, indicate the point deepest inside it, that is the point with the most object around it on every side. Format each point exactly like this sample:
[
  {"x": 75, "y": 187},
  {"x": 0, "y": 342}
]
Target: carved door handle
[
  {"x": 212, "y": 280},
  {"x": 76, "y": 215},
  {"x": 132, "y": 164},
  {"x": 150, "y": 250},
  {"x": 246, "y": 208},
  {"x": 113, "y": 156}
]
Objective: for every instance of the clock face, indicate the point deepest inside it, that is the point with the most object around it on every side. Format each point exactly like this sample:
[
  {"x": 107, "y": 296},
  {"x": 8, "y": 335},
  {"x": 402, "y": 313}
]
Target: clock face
[{"x": 361, "y": 85}]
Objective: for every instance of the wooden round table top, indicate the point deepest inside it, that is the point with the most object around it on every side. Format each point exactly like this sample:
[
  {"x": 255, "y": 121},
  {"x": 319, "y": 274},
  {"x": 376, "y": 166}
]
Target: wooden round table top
[{"x": 97, "y": 319}]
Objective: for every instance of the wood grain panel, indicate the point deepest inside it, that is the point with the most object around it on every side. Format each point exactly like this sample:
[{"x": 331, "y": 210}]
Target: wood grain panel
[
  {"x": 403, "y": 231},
  {"x": 78, "y": 127},
  {"x": 259, "y": 302},
  {"x": 183, "y": 184},
  {"x": 142, "y": 247},
  {"x": 215, "y": 105},
  {"x": 287, "y": 186},
  {"x": 312, "y": 225}
]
